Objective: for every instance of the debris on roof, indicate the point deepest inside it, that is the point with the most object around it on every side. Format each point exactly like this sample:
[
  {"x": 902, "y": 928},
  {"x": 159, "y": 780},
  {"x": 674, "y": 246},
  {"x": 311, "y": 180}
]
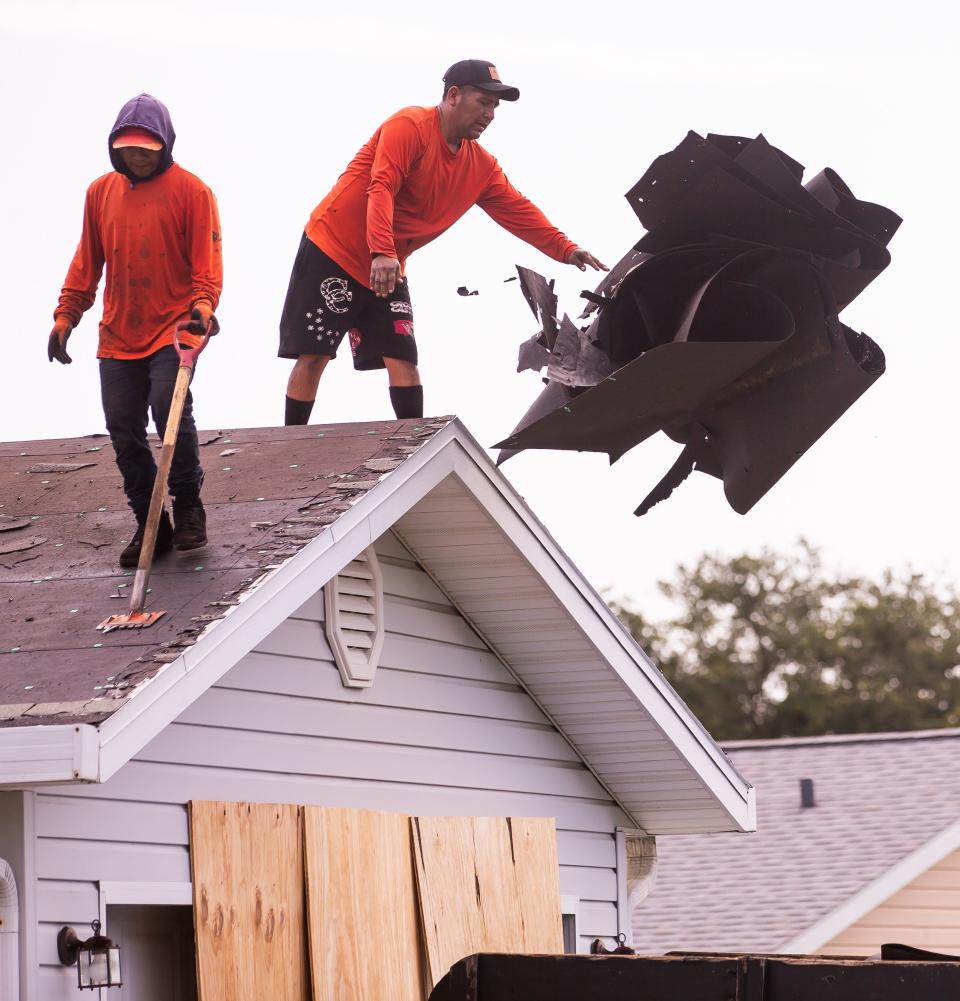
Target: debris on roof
[
  {"x": 720, "y": 326},
  {"x": 277, "y": 490}
]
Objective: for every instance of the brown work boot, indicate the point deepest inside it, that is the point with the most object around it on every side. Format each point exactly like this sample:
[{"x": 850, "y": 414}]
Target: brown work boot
[
  {"x": 130, "y": 556},
  {"x": 190, "y": 524}
]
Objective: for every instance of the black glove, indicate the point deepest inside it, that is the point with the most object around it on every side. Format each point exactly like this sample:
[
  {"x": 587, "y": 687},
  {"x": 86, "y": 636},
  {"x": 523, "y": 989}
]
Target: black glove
[
  {"x": 57, "y": 342},
  {"x": 202, "y": 321}
]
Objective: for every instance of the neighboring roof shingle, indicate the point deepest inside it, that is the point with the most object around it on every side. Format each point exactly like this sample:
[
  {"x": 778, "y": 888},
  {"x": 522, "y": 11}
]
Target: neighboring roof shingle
[
  {"x": 63, "y": 518},
  {"x": 878, "y": 798}
]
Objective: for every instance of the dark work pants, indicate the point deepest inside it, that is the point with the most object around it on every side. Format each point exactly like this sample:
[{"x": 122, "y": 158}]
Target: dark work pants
[{"x": 128, "y": 388}]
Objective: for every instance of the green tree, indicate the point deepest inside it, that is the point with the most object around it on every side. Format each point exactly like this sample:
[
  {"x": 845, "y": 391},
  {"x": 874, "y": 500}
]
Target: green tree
[{"x": 772, "y": 646}]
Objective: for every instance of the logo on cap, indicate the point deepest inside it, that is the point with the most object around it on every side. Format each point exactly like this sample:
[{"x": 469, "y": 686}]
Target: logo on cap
[{"x": 494, "y": 75}]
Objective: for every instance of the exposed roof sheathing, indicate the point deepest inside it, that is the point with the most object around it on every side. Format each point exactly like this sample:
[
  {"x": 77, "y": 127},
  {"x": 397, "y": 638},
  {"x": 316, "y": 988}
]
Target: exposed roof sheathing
[{"x": 63, "y": 520}]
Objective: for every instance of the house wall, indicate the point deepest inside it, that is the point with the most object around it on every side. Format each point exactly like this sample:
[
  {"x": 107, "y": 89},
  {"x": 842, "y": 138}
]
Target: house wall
[
  {"x": 925, "y": 914},
  {"x": 444, "y": 730}
]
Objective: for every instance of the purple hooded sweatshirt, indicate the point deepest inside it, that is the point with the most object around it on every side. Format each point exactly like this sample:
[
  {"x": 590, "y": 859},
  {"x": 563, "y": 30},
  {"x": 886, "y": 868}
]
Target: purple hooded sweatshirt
[
  {"x": 144, "y": 112},
  {"x": 158, "y": 239}
]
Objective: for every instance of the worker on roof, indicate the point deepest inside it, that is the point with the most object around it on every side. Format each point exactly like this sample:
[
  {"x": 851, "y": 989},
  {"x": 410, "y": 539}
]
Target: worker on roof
[
  {"x": 419, "y": 173},
  {"x": 156, "y": 228}
]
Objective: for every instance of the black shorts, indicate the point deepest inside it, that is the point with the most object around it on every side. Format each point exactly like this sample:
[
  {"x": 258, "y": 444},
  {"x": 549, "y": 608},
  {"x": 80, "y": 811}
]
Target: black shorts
[{"x": 324, "y": 302}]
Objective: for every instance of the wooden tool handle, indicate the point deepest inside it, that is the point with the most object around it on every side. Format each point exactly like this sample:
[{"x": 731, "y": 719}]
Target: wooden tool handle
[{"x": 139, "y": 595}]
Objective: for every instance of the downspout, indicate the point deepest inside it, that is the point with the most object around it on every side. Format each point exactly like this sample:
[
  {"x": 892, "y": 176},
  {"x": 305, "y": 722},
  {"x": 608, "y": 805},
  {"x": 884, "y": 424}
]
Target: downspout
[{"x": 9, "y": 935}]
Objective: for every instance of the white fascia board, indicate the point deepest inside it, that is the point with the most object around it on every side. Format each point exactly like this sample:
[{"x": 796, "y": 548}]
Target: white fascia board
[
  {"x": 31, "y": 755},
  {"x": 610, "y": 637},
  {"x": 875, "y": 893},
  {"x": 261, "y": 610}
]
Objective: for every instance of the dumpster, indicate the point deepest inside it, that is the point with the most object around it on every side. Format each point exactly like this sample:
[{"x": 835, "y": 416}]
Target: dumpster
[{"x": 496, "y": 977}]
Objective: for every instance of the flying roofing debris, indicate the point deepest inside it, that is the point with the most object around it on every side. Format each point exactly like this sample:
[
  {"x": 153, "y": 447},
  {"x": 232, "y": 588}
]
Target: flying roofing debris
[{"x": 720, "y": 326}]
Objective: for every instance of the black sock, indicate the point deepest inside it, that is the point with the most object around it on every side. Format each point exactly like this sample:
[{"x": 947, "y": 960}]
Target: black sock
[
  {"x": 297, "y": 411},
  {"x": 407, "y": 401}
]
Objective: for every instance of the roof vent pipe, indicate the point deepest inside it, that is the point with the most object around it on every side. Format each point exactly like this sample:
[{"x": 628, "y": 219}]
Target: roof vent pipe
[
  {"x": 9, "y": 935},
  {"x": 806, "y": 794}
]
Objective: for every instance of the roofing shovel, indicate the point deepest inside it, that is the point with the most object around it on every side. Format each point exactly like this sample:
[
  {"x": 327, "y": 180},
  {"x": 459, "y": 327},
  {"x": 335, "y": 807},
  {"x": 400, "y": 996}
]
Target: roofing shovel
[{"x": 137, "y": 618}]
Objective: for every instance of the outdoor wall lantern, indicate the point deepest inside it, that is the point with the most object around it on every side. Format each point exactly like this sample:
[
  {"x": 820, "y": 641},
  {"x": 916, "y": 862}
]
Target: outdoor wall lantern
[{"x": 97, "y": 959}]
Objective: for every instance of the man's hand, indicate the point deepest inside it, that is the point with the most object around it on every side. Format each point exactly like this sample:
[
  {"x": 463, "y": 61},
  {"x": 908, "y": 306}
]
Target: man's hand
[
  {"x": 57, "y": 342},
  {"x": 384, "y": 275},
  {"x": 580, "y": 258},
  {"x": 202, "y": 320}
]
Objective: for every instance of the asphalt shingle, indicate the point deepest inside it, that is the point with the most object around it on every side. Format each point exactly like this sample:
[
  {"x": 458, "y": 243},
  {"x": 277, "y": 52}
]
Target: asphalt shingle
[{"x": 878, "y": 797}]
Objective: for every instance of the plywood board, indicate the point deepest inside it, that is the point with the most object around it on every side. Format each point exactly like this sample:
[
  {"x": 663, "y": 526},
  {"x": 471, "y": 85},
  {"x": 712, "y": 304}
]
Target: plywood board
[
  {"x": 537, "y": 868},
  {"x": 486, "y": 884},
  {"x": 364, "y": 943},
  {"x": 247, "y": 870}
]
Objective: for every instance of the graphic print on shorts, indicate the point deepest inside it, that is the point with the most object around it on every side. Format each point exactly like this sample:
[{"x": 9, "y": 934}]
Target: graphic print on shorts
[
  {"x": 316, "y": 324},
  {"x": 403, "y": 327},
  {"x": 335, "y": 293},
  {"x": 354, "y": 336}
]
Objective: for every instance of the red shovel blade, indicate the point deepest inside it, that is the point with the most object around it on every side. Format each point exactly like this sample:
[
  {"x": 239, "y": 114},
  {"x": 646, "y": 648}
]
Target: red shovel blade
[{"x": 129, "y": 620}]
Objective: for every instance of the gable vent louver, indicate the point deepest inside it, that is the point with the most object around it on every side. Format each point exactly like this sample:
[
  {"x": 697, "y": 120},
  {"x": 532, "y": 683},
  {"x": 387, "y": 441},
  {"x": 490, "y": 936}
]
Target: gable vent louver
[{"x": 353, "y": 619}]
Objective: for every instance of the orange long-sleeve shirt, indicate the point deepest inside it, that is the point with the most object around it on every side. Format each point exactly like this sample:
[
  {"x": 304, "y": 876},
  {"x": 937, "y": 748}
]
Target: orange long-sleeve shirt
[
  {"x": 406, "y": 186},
  {"x": 160, "y": 242}
]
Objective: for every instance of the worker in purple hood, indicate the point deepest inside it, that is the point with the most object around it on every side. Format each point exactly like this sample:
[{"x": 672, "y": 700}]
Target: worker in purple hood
[{"x": 155, "y": 228}]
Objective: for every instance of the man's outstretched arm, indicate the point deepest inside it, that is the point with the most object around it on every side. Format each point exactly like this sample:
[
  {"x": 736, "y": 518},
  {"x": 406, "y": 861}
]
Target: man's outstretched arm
[{"x": 517, "y": 214}]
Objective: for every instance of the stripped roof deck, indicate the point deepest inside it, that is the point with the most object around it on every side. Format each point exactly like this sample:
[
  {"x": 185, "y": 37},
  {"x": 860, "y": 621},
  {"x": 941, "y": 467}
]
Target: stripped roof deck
[{"x": 63, "y": 519}]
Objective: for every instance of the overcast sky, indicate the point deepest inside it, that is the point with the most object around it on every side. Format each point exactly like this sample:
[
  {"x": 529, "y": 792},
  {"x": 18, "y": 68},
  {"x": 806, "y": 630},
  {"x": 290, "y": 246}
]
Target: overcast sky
[{"x": 271, "y": 100}]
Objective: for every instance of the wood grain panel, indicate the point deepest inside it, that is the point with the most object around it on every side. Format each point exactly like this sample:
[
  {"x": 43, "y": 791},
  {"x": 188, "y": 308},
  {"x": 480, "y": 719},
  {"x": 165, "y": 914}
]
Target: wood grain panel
[
  {"x": 484, "y": 888},
  {"x": 248, "y": 901},
  {"x": 361, "y": 906},
  {"x": 537, "y": 868}
]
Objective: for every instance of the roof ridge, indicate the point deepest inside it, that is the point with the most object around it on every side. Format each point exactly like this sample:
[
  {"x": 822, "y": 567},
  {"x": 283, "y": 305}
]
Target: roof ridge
[{"x": 840, "y": 738}]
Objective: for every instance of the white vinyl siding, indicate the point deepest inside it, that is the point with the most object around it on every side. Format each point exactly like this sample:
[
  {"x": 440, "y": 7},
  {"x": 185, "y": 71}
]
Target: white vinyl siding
[
  {"x": 443, "y": 730},
  {"x": 617, "y": 721}
]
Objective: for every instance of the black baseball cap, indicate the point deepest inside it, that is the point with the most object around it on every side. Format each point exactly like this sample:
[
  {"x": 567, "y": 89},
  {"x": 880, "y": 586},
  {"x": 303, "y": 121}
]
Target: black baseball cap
[{"x": 480, "y": 74}]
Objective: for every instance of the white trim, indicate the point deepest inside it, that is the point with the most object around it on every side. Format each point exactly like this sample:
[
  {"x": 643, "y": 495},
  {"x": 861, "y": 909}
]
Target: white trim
[
  {"x": 611, "y": 639},
  {"x": 31, "y": 755},
  {"x": 9, "y": 933},
  {"x": 875, "y": 893},
  {"x": 284, "y": 589},
  {"x": 146, "y": 893},
  {"x": 623, "y": 912},
  {"x": 29, "y": 965},
  {"x": 624, "y": 917}
]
